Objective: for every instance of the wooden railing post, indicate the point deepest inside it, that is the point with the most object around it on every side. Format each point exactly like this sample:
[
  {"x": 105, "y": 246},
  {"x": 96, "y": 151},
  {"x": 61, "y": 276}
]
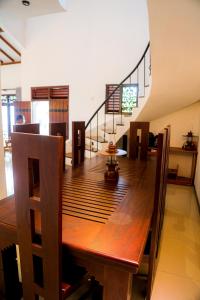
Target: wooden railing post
[
  {"x": 134, "y": 144},
  {"x": 78, "y": 143},
  {"x": 59, "y": 129}
]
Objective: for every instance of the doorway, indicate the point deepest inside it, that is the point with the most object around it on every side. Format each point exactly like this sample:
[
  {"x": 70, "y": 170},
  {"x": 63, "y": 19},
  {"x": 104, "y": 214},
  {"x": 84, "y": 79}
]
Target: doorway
[
  {"x": 8, "y": 115},
  {"x": 40, "y": 114}
]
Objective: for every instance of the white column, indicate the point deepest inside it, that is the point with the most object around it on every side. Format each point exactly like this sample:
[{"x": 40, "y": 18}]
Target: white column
[{"x": 2, "y": 161}]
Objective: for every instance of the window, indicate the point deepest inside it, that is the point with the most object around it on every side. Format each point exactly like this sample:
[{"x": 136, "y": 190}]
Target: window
[
  {"x": 124, "y": 99},
  {"x": 7, "y": 114},
  {"x": 129, "y": 97}
]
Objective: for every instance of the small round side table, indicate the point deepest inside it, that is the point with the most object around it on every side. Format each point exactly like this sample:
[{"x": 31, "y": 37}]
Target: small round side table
[{"x": 112, "y": 165}]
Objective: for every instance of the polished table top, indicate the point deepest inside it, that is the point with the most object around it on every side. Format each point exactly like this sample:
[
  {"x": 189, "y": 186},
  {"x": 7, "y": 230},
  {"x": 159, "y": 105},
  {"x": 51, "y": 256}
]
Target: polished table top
[{"x": 109, "y": 221}]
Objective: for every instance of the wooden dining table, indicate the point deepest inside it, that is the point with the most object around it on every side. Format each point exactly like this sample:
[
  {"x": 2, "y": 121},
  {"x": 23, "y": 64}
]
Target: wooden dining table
[{"x": 105, "y": 225}]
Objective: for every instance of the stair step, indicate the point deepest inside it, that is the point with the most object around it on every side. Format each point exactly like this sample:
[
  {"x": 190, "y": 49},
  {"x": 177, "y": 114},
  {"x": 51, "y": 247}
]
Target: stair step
[
  {"x": 92, "y": 149},
  {"x": 109, "y": 131},
  {"x": 100, "y": 139},
  {"x": 69, "y": 155}
]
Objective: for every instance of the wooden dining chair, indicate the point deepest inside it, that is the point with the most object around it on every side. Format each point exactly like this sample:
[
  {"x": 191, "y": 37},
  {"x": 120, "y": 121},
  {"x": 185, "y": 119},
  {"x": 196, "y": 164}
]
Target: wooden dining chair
[
  {"x": 138, "y": 149},
  {"x": 33, "y": 128},
  {"x": 78, "y": 143},
  {"x": 39, "y": 215},
  {"x": 59, "y": 129},
  {"x": 149, "y": 263},
  {"x": 27, "y": 128}
]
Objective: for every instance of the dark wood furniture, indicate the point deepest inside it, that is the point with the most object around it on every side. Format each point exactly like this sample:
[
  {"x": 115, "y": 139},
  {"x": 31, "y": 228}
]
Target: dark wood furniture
[
  {"x": 45, "y": 252},
  {"x": 78, "y": 143},
  {"x": 105, "y": 226},
  {"x": 138, "y": 149},
  {"x": 58, "y": 98},
  {"x": 159, "y": 206},
  {"x": 59, "y": 129},
  {"x": 180, "y": 180},
  {"x": 33, "y": 128},
  {"x": 27, "y": 128}
]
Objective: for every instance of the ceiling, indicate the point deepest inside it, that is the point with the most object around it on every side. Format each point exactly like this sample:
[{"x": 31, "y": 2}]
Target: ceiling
[
  {"x": 36, "y": 7},
  {"x": 9, "y": 52},
  {"x": 13, "y": 14}
]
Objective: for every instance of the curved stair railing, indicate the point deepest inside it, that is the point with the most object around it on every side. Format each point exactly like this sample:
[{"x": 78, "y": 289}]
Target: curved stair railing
[{"x": 138, "y": 76}]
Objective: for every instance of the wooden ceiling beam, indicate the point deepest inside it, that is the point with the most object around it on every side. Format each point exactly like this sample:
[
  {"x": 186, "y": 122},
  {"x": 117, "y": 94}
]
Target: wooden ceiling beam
[
  {"x": 7, "y": 55},
  {"x": 9, "y": 45},
  {"x": 10, "y": 63}
]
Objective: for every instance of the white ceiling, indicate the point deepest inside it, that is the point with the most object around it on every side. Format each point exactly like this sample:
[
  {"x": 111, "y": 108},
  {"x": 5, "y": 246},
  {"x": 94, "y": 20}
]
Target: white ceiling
[
  {"x": 36, "y": 8},
  {"x": 5, "y": 48},
  {"x": 13, "y": 15}
]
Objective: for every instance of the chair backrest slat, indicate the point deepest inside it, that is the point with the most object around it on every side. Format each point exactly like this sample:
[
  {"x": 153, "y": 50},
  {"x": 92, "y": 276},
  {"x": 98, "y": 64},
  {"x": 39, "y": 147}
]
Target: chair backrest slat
[{"x": 39, "y": 214}]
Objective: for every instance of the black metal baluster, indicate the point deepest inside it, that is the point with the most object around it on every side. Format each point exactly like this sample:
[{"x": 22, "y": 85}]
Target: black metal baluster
[
  {"x": 105, "y": 124},
  {"x": 144, "y": 73},
  {"x": 121, "y": 101},
  {"x": 97, "y": 131},
  {"x": 113, "y": 115},
  {"x": 90, "y": 139}
]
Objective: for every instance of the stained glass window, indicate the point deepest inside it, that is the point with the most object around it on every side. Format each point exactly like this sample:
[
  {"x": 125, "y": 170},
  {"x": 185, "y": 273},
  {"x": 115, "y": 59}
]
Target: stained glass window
[{"x": 129, "y": 97}]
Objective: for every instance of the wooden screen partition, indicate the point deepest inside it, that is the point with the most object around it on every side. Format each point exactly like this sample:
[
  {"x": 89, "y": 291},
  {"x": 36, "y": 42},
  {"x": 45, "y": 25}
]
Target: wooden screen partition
[
  {"x": 39, "y": 213},
  {"x": 27, "y": 128},
  {"x": 138, "y": 149},
  {"x": 78, "y": 143},
  {"x": 58, "y": 112},
  {"x": 23, "y": 108},
  {"x": 59, "y": 129}
]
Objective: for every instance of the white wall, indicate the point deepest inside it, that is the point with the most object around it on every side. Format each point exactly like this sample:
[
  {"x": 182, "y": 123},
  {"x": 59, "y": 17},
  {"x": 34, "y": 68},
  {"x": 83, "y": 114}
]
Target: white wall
[
  {"x": 93, "y": 43},
  {"x": 181, "y": 122},
  {"x": 2, "y": 162},
  {"x": 175, "y": 47},
  {"x": 11, "y": 76}
]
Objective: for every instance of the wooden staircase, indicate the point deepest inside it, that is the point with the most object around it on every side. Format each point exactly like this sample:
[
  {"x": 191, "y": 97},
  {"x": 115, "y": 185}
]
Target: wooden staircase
[{"x": 110, "y": 121}]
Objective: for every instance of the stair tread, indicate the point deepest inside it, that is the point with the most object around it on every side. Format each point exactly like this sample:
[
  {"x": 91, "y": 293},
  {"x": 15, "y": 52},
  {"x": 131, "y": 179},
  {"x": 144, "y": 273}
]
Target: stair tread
[
  {"x": 93, "y": 149},
  {"x": 109, "y": 131},
  {"x": 69, "y": 155},
  {"x": 100, "y": 139},
  {"x": 120, "y": 124}
]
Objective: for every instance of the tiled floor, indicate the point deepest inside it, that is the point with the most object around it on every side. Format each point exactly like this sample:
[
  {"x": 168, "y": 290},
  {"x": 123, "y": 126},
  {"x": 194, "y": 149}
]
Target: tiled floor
[
  {"x": 9, "y": 173},
  {"x": 178, "y": 272}
]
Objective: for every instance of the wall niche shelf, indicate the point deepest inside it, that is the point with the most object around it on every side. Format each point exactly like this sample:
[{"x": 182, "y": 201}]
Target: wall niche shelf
[{"x": 173, "y": 174}]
